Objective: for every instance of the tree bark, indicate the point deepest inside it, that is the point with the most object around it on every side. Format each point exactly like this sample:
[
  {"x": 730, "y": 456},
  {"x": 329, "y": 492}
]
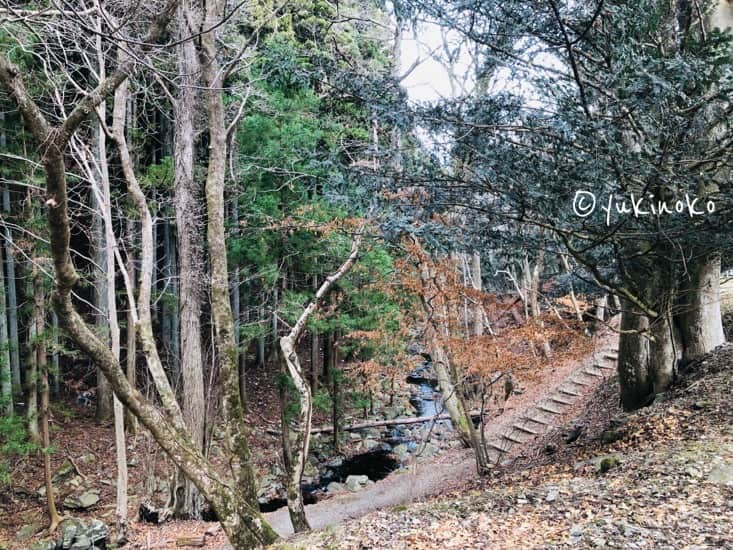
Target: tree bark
[
  {"x": 104, "y": 392},
  {"x": 476, "y": 279},
  {"x": 701, "y": 324},
  {"x": 6, "y": 376},
  {"x": 233, "y": 411},
  {"x": 12, "y": 297},
  {"x": 42, "y": 361},
  {"x": 187, "y": 200},
  {"x": 31, "y": 376},
  {"x": 633, "y": 358},
  {"x": 131, "y": 347}
]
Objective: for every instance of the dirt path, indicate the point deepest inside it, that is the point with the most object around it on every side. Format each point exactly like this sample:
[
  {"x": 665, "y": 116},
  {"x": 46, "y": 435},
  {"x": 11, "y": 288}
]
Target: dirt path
[{"x": 554, "y": 400}]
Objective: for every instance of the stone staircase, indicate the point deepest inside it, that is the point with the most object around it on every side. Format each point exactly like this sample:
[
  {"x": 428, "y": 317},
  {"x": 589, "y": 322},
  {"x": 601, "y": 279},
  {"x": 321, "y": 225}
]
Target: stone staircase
[{"x": 551, "y": 411}]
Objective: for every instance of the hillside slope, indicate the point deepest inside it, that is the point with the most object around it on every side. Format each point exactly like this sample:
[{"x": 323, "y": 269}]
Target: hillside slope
[{"x": 659, "y": 478}]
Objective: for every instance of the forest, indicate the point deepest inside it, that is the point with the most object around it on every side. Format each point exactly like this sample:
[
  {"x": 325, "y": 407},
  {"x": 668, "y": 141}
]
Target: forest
[{"x": 366, "y": 274}]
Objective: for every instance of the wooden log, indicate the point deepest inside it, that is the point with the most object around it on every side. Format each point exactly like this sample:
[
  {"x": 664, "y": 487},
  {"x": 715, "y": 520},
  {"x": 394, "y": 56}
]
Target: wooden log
[{"x": 382, "y": 423}]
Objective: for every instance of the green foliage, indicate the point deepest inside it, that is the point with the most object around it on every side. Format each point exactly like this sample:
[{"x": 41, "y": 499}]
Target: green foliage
[
  {"x": 14, "y": 444},
  {"x": 322, "y": 401}
]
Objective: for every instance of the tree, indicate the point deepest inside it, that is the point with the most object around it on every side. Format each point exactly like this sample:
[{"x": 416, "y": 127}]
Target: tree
[
  {"x": 288, "y": 344},
  {"x": 615, "y": 95},
  {"x": 233, "y": 502}
]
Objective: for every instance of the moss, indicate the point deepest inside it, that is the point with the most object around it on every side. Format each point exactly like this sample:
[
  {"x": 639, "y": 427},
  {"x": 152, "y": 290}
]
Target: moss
[{"x": 608, "y": 463}]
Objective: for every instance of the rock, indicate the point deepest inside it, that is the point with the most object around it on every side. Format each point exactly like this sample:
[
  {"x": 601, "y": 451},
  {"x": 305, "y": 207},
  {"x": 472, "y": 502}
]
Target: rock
[
  {"x": 355, "y": 483},
  {"x": 693, "y": 472},
  {"x": 369, "y": 444},
  {"x": 722, "y": 475},
  {"x": 604, "y": 463},
  {"x": 70, "y": 528},
  {"x": 82, "y": 542},
  {"x": 309, "y": 470},
  {"x": 610, "y": 436},
  {"x": 335, "y": 487},
  {"x": 88, "y": 458},
  {"x": 41, "y": 545},
  {"x": 608, "y": 463},
  {"x": 576, "y": 530},
  {"x": 335, "y": 462},
  {"x": 64, "y": 471},
  {"x": 27, "y": 531},
  {"x": 82, "y": 502},
  {"x": 552, "y": 495},
  {"x": 390, "y": 413},
  {"x": 97, "y": 531},
  {"x": 428, "y": 450},
  {"x": 372, "y": 433},
  {"x": 401, "y": 452}
]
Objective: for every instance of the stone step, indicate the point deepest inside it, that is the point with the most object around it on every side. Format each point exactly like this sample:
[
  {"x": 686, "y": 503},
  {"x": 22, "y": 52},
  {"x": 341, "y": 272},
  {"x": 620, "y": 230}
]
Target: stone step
[
  {"x": 550, "y": 410},
  {"x": 606, "y": 367},
  {"x": 559, "y": 400},
  {"x": 509, "y": 437},
  {"x": 497, "y": 447},
  {"x": 568, "y": 392},
  {"x": 539, "y": 421},
  {"x": 580, "y": 382},
  {"x": 593, "y": 373},
  {"x": 525, "y": 429}
]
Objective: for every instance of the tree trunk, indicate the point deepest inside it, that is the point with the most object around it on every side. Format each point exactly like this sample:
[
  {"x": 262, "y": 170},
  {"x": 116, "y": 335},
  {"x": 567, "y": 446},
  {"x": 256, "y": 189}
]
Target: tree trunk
[
  {"x": 31, "y": 376},
  {"x": 187, "y": 201},
  {"x": 476, "y": 279},
  {"x": 104, "y": 393},
  {"x": 449, "y": 379},
  {"x": 301, "y": 444},
  {"x": 41, "y": 360},
  {"x": 6, "y": 377},
  {"x": 701, "y": 322},
  {"x": 12, "y": 297},
  {"x": 247, "y": 528},
  {"x": 55, "y": 355},
  {"x": 633, "y": 358},
  {"x": 315, "y": 352},
  {"x": 131, "y": 351}
]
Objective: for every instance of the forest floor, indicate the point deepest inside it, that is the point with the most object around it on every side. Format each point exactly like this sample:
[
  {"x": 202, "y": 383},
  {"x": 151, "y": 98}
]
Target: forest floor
[
  {"x": 668, "y": 484},
  {"x": 658, "y": 478}
]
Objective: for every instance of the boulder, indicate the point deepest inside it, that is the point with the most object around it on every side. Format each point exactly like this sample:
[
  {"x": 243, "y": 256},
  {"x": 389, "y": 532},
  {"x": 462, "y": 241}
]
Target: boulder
[
  {"x": 81, "y": 542},
  {"x": 63, "y": 471},
  {"x": 355, "y": 483},
  {"x": 335, "y": 487},
  {"x": 428, "y": 450},
  {"x": 309, "y": 470},
  {"x": 70, "y": 528},
  {"x": 401, "y": 452},
  {"x": 98, "y": 531},
  {"x": 27, "y": 531},
  {"x": 84, "y": 501},
  {"x": 390, "y": 413},
  {"x": 370, "y": 444},
  {"x": 41, "y": 545}
]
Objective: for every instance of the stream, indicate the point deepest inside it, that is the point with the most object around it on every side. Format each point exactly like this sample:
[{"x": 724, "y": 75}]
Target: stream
[{"x": 393, "y": 446}]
